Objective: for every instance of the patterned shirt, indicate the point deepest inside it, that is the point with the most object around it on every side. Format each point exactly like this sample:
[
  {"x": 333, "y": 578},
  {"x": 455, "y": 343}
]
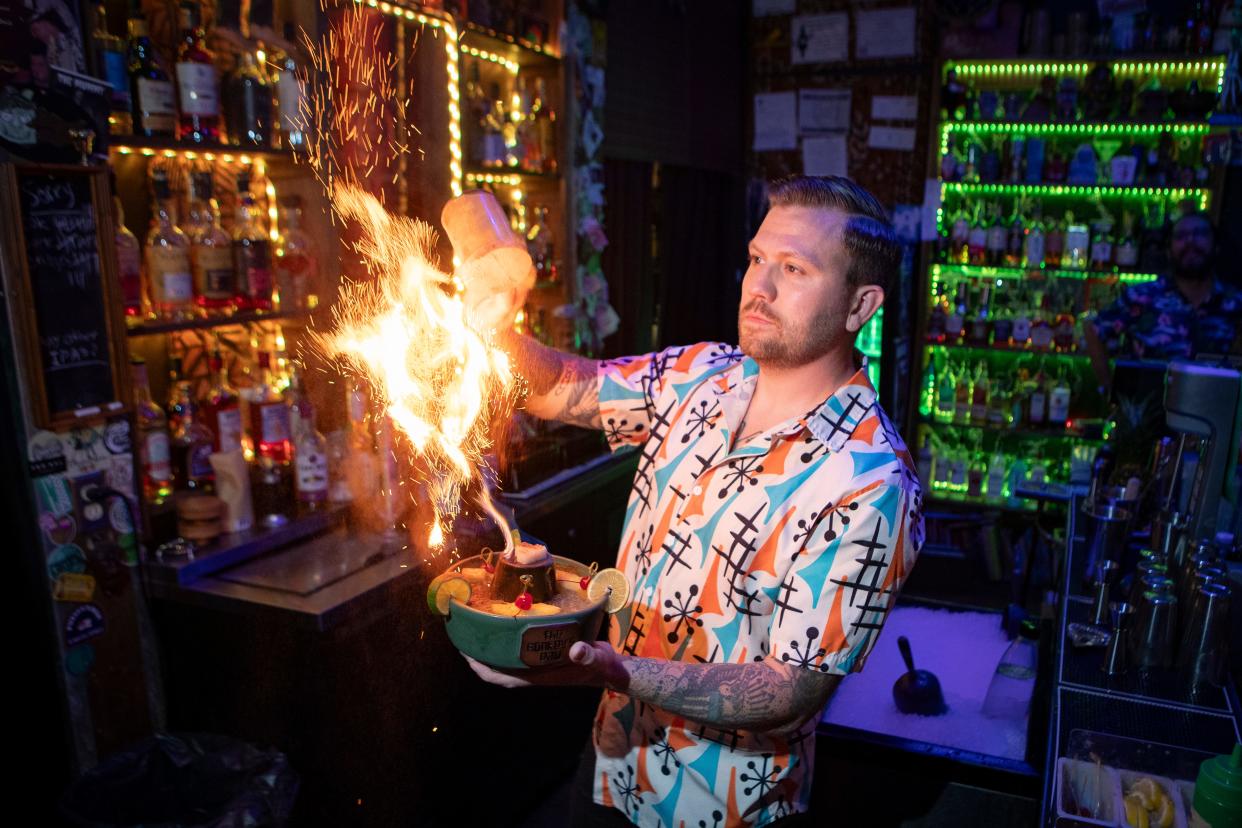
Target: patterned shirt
[
  {"x": 1154, "y": 320},
  {"x": 791, "y": 545}
]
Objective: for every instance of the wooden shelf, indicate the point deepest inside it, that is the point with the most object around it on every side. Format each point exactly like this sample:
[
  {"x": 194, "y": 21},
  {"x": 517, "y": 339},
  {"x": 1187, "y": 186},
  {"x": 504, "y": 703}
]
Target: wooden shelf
[
  {"x": 136, "y": 144},
  {"x": 525, "y": 52},
  {"x": 157, "y": 327}
]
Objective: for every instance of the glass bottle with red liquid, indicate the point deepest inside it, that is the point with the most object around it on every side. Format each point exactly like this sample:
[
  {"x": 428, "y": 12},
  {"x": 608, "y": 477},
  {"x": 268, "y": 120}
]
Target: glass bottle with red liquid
[
  {"x": 221, "y": 408},
  {"x": 252, "y": 252},
  {"x": 269, "y": 427},
  {"x": 153, "y": 447},
  {"x": 198, "y": 84},
  {"x": 128, "y": 267},
  {"x": 192, "y": 443}
]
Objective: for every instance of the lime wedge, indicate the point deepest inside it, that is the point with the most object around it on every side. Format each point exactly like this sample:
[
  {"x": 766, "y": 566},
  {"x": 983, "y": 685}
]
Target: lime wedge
[
  {"x": 442, "y": 592},
  {"x": 611, "y": 585}
]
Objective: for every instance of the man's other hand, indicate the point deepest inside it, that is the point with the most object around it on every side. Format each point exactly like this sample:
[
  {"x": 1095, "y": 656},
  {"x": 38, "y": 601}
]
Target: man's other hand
[{"x": 591, "y": 664}]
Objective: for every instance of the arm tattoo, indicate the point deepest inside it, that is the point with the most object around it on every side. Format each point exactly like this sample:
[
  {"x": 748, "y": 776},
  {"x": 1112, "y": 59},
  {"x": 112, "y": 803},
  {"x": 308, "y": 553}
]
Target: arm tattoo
[
  {"x": 768, "y": 695},
  {"x": 562, "y": 386}
]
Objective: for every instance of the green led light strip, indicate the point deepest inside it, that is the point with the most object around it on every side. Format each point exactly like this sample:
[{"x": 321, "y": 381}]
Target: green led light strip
[
  {"x": 1019, "y": 273},
  {"x": 1175, "y": 127},
  {"x": 994, "y": 350},
  {"x": 998, "y": 70},
  {"x": 1075, "y": 191}
]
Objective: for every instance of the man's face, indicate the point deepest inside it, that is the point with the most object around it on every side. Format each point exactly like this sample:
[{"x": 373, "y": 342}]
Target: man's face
[
  {"x": 795, "y": 299},
  {"x": 1190, "y": 247}
]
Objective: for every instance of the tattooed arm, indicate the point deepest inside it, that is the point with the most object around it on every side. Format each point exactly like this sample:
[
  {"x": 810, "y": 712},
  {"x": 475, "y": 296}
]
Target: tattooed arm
[
  {"x": 767, "y": 696},
  {"x": 562, "y": 386}
]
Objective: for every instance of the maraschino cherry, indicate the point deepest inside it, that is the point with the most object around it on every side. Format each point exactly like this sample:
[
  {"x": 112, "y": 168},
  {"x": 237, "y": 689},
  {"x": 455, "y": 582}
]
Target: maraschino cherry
[{"x": 525, "y": 601}]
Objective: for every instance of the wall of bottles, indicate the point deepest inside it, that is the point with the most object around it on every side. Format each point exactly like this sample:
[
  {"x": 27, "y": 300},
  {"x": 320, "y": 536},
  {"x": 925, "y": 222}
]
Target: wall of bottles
[{"x": 1058, "y": 184}]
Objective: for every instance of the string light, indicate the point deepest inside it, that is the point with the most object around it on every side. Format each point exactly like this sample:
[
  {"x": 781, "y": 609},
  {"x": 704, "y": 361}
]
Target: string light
[
  {"x": 1020, "y": 273},
  {"x": 1076, "y": 191},
  {"x": 511, "y": 65}
]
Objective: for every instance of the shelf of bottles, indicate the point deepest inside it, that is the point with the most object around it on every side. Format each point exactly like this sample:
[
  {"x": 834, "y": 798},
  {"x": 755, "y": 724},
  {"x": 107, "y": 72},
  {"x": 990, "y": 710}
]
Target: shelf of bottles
[{"x": 1058, "y": 182}]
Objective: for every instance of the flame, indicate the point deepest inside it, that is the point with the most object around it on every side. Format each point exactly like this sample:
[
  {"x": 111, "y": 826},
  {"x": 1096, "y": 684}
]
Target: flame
[{"x": 439, "y": 381}]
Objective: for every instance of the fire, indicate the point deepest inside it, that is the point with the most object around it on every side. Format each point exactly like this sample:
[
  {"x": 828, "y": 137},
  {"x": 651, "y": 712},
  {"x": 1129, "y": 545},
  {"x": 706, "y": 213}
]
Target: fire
[{"x": 438, "y": 380}]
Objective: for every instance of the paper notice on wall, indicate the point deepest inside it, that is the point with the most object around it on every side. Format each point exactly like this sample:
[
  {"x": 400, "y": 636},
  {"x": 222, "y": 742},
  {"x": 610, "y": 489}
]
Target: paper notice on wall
[
  {"x": 823, "y": 110},
  {"x": 891, "y": 138},
  {"x": 885, "y": 33},
  {"x": 765, "y": 8},
  {"x": 895, "y": 107},
  {"x": 825, "y": 155},
  {"x": 776, "y": 121},
  {"x": 819, "y": 38}
]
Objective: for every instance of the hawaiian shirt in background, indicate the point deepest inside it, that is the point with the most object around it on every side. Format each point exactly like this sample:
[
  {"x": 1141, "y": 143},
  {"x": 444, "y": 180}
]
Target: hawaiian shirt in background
[
  {"x": 792, "y": 545},
  {"x": 1153, "y": 320}
]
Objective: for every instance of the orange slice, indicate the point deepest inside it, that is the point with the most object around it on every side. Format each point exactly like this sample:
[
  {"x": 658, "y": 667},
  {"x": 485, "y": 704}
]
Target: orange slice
[{"x": 610, "y": 584}]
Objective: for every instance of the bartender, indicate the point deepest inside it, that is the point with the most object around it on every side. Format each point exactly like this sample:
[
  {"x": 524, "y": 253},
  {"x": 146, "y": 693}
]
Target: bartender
[
  {"x": 1181, "y": 315},
  {"x": 773, "y": 518}
]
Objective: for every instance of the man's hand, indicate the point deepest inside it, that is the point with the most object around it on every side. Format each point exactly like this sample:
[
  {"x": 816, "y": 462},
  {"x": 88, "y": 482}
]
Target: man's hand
[{"x": 591, "y": 664}]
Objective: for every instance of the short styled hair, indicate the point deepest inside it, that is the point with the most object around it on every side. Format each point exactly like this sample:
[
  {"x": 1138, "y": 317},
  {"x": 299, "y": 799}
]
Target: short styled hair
[{"x": 869, "y": 238}]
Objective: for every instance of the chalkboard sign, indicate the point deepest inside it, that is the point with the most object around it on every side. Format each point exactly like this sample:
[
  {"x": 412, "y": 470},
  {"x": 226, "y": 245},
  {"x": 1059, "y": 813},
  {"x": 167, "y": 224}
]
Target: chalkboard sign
[{"x": 65, "y": 291}]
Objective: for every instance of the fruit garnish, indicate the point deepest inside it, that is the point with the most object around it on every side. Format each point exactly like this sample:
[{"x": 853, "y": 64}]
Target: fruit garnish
[
  {"x": 1162, "y": 816},
  {"x": 441, "y": 593},
  {"x": 505, "y": 608},
  {"x": 609, "y": 584},
  {"x": 525, "y": 601},
  {"x": 540, "y": 609},
  {"x": 585, "y": 580},
  {"x": 489, "y": 562},
  {"x": 1136, "y": 814},
  {"x": 1148, "y": 792}
]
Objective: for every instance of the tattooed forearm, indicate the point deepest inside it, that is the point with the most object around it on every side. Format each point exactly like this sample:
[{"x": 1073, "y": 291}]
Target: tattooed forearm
[
  {"x": 763, "y": 695},
  {"x": 562, "y": 386}
]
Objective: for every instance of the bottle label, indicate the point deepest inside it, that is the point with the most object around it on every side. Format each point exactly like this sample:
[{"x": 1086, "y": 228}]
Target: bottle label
[
  {"x": 229, "y": 426},
  {"x": 213, "y": 272},
  {"x": 198, "y": 461},
  {"x": 290, "y": 91},
  {"x": 1127, "y": 254},
  {"x": 254, "y": 269},
  {"x": 117, "y": 76},
  {"x": 1037, "y": 407},
  {"x": 1034, "y": 250},
  {"x": 169, "y": 268},
  {"x": 197, "y": 84},
  {"x": 274, "y": 422},
  {"x": 157, "y": 456},
  {"x": 129, "y": 270},
  {"x": 1021, "y": 329},
  {"x": 312, "y": 474},
  {"x": 157, "y": 105},
  {"x": 1058, "y": 405},
  {"x": 1041, "y": 336}
]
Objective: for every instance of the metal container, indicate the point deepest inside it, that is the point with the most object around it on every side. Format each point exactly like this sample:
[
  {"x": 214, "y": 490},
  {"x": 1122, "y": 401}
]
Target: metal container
[
  {"x": 1115, "y": 658},
  {"x": 1203, "y": 651},
  {"x": 1106, "y": 530},
  {"x": 1155, "y": 630}
]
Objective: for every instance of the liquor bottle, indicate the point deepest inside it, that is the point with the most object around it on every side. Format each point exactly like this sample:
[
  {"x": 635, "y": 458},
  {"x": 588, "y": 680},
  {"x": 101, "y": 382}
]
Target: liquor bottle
[
  {"x": 1059, "y": 401},
  {"x": 1002, "y": 317},
  {"x": 476, "y": 107},
  {"x": 957, "y": 469},
  {"x": 1063, "y": 334},
  {"x": 249, "y": 105},
  {"x": 297, "y": 268},
  {"x": 173, "y": 408},
  {"x": 191, "y": 445},
  {"x": 290, "y": 98},
  {"x": 545, "y": 127},
  {"x": 959, "y": 238},
  {"x": 221, "y": 408},
  {"x": 197, "y": 83},
  {"x": 1077, "y": 245},
  {"x": 954, "y": 323},
  {"x": 962, "y": 397},
  {"x": 1038, "y": 473},
  {"x": 949, "y": 160},
  {"x": 1033, "y": 242},
  {"x": 1126, "y": 253},
  {"x": 980, "y": 326},
  {"x": 938, "y": 315},
  {"x": 268, "y": 426},
  {"x": 542, "y": 251},
  {"x": 252, "y": 252},
  {"x": 111, "y": 64},
  {"x": 979, "y": 394},
  {"x": 997, "y": 238},
  {"x": 310, "y": 449},
  {"x": 1021, "y": 323},
  {"x": 1102, "y": 247},
  {"x": 151, "y": 90},
  {"x": 168, "y": 257},
  {"x": 976, "y": 470},
  {"x": 946, "y": 394},
  {"x": 997, "y": 472},
  {"x": 1037, "y": 399},
  {"x": 1015, "y": 241},
  {"x": 1054, "y": 243},
  {"x": 153, "y": 448},
  {"x": 128, "y": 266},
  {"x": 1041, "y": 326},
  {"x": 211, "y": 249},
  {"x": 998, "y": 404}
]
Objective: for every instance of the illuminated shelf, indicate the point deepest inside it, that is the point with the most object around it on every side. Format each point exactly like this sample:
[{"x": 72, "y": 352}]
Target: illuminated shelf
[
  {"x": 1076, "y": 191},
  {"x": 944, "y": 496},
  {"x": 1005, "y": 350},
  {"x": 1210, "y": 68},
  {"x": 1110, "y": 128},
  {"x": 1021, "y": 273},
  {"x": 508, "y": 177},
  {"x": 149, "y": 147},
  {"x": 1020, "y": 433},
  {"x": 521, "y": 50},
  {"x": 241, "y": 318}
]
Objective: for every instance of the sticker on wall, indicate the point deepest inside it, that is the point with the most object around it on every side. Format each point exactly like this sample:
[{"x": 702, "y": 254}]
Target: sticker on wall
[
  {"x": 118, "y": 516},
  {"x": 52, "y": 494},
  {"x": 116, "y": 437},
  {"x": 59, "y": 529},
  {"x": 74, "y": 587},
  {"x": 84, "y": 450},
  {"x": 46, "y": 454},
  {"x": 78, "y": 660},
  {"x": 120, "y": 473},
  {"x": 84, "y": 623},
  {"x": 67, "y": 558}
]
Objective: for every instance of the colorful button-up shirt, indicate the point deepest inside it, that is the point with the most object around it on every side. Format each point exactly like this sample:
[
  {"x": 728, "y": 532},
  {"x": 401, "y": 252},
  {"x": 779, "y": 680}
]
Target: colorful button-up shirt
[
  {"x": 1153, "y": 320},
  {"x": 792, "y": 545}
]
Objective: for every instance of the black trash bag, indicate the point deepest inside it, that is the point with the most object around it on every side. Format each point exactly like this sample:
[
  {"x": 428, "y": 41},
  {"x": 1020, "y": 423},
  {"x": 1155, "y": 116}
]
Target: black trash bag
[{"x": 186, "y": 779}]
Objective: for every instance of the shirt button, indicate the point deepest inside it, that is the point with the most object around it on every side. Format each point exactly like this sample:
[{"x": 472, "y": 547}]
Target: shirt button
[{"x": 696, "y": 491}]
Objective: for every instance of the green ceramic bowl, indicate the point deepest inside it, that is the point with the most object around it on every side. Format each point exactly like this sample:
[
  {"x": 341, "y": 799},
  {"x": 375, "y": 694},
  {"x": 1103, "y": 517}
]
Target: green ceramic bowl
[{"x": 524, "y": 641}]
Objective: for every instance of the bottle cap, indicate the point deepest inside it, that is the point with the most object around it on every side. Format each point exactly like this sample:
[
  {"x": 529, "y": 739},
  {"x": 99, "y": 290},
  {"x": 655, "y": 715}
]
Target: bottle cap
[{"x": 1218, "y": 790}]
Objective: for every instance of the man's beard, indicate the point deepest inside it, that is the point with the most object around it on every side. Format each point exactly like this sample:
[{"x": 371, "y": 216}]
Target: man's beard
[
  {"x": 1196, "y": 270},
  {"x": 786, "y": 345}
]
